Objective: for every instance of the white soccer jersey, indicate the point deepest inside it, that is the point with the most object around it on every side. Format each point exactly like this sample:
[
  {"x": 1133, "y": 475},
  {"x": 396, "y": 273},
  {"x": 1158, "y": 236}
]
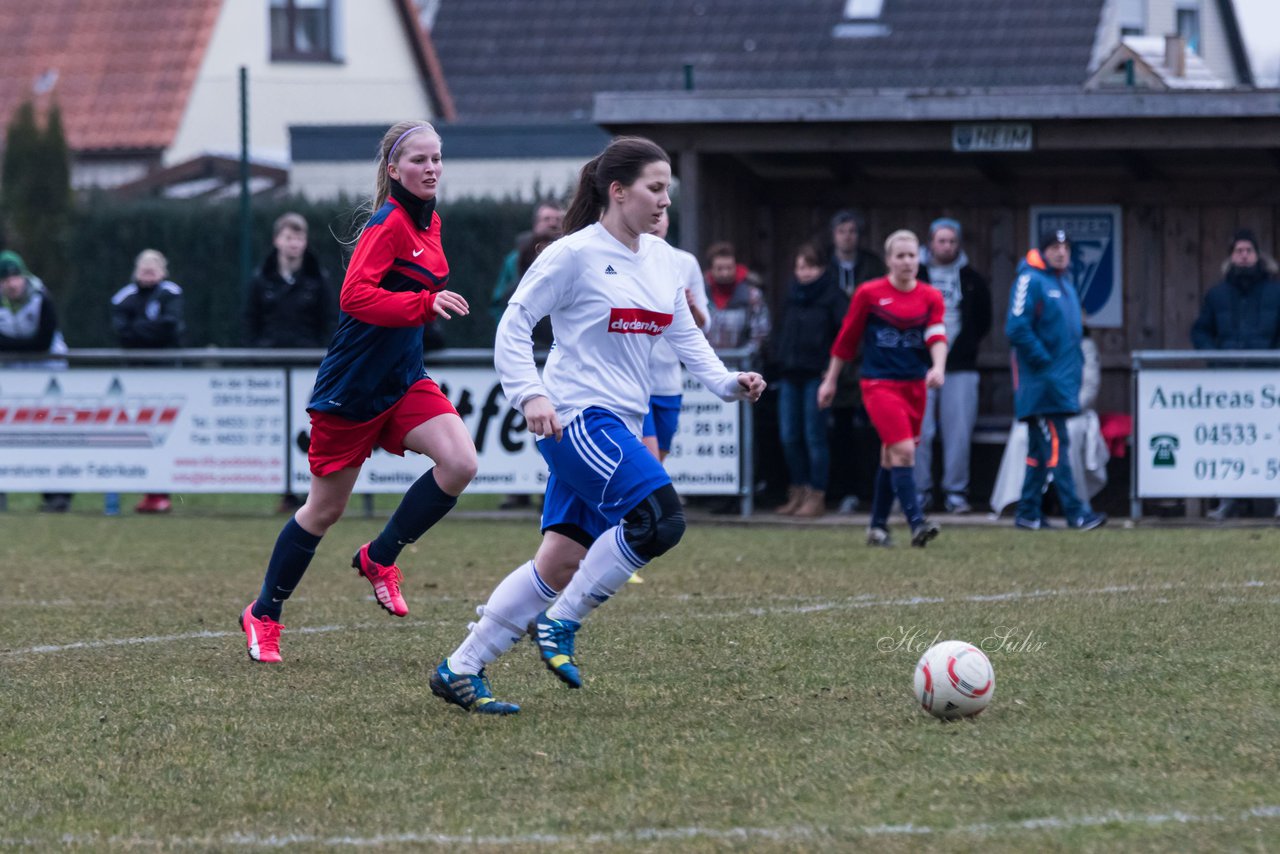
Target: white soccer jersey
[
  {"x": 664, "y": 364},
  {"x": 608, "y": 308}
]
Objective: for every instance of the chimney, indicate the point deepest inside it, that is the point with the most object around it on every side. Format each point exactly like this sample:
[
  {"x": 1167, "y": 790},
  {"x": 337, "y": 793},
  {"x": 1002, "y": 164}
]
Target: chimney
[{"x": 1175, "y": 55}]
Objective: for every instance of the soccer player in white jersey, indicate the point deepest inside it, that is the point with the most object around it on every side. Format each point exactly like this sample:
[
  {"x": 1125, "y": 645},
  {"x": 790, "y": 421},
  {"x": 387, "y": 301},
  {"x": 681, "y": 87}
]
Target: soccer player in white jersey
[
  {"x": 663, "y": 418},
  {"x": 667, "y": 393},
  {"x": 612, "y": 290}
]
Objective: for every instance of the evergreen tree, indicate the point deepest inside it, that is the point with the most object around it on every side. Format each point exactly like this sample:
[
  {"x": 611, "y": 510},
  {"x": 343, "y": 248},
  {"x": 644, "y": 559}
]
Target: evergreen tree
[{"x": 35, "y": 192}]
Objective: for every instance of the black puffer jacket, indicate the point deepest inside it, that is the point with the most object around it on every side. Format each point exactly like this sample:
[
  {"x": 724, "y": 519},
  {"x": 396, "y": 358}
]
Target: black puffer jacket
[
  {"x": 1242, "y": 312},
  {"x": 281, "y": 314},
  {"x": 811, "y": 320}
]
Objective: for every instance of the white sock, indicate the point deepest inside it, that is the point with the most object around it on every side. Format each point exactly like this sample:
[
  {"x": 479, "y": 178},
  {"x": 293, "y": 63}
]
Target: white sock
[
  {"x": 504, "y": 619},
  {"x": 607, "y": 566}
]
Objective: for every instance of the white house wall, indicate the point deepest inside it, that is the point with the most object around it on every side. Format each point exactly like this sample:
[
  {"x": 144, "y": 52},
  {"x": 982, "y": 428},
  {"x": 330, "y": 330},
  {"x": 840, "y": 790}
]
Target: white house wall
[
  {"x": 377, "y": 82},
  {"x": 1159, "y": 18},
  {"x": 1162, "y": 20}
]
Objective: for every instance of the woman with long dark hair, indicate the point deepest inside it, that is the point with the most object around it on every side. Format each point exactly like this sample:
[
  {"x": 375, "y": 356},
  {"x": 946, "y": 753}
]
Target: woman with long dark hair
[{"x": 612, "y": 290}]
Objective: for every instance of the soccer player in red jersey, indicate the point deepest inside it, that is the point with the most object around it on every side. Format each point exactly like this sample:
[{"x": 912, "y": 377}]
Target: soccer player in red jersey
[
  {"x": 372, "y": 391},
  {"x": 898, "y": 322}
]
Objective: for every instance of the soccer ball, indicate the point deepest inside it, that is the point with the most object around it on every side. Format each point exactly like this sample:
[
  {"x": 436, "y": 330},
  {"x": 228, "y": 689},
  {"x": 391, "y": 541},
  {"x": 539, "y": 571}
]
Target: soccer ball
[{"x": 954, "y": 679}]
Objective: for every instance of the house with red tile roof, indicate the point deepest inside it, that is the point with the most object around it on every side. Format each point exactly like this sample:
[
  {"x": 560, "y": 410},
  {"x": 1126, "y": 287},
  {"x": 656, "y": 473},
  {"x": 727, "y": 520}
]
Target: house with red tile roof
[{"x": 147, "y": 86}]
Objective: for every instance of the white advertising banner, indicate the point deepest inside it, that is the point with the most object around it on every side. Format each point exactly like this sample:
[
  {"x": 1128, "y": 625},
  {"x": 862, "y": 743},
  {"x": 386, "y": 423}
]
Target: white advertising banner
[
  {"x": 703, "y": 460},
  {"x": 704, "y": 451},
  {"x": 1208, "y": 433},
  {"x": 231, "y": 430},
  {"x": 136, "y": 430},
  {"x": 509, "y": 462}
]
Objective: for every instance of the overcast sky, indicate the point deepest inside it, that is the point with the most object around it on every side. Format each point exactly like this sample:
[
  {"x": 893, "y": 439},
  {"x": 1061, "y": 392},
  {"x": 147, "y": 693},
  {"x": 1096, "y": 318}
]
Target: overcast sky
[{"x": 1260, "y": 25}]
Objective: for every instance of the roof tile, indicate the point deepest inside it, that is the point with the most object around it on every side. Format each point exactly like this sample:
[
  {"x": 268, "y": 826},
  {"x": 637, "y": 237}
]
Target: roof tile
[
  {"x": 518, "y": 60},
  {"x": 124, "y": 68}
]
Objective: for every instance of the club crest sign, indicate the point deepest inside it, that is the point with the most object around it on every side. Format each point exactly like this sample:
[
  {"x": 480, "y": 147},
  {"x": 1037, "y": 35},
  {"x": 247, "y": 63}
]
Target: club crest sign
[{"x": 1096, "y": 252}]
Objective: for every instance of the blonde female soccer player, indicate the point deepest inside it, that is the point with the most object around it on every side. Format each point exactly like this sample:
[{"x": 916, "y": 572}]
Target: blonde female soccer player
[{"x": 372, "y": 391}]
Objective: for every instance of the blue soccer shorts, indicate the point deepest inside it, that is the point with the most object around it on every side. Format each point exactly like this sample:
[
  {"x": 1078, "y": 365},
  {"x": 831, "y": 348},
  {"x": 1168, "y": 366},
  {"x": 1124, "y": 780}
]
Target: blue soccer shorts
[
  {"x": 600, "y": 470},
  {"x": 662, "y": 419}
]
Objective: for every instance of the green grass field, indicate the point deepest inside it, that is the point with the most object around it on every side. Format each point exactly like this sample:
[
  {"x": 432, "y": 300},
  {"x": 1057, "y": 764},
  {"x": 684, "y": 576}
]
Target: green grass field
[{"x": 753, "y": 694}]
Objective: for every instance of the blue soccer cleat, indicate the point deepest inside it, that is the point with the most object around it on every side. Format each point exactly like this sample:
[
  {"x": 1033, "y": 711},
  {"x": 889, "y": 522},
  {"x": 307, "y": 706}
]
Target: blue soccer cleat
[
  {"x": 471, "y": 692},
  {"x": 555, "y": 643}
]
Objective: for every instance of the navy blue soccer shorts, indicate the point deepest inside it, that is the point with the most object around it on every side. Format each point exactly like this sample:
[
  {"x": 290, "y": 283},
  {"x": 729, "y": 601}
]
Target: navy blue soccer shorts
[{"x": 662, "y": 419}]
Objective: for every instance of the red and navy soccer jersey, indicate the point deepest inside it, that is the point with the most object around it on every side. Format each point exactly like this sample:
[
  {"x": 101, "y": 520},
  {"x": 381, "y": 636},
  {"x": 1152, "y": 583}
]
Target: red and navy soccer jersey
[
  {"x": 895, "y": 328},
  {"x": 387, "y": 297}
]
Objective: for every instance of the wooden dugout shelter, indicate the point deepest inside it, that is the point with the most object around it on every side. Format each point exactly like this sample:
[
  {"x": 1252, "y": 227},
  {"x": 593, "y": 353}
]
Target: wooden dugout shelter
[{"x": 1186, "y": 168}]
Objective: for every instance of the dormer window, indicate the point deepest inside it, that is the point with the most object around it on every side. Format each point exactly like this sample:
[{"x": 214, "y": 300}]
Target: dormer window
[
  {"x": 302, "y": 31},
  {"x": 861, "y": 20},
  {"x": 862, "y": 10}
]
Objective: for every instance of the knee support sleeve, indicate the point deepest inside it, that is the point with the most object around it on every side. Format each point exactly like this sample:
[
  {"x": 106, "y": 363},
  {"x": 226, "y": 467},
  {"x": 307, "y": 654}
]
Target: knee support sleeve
[{"x": 656, "y": 524}]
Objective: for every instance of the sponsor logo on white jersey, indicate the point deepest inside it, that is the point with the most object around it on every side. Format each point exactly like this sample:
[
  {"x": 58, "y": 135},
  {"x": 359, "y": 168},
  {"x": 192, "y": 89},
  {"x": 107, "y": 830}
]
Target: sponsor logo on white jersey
[{"x": 638, "y": 321}]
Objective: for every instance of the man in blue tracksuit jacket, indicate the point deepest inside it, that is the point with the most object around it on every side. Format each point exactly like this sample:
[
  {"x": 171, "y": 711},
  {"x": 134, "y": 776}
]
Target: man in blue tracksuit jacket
[{"x": 1044, "y": 326}]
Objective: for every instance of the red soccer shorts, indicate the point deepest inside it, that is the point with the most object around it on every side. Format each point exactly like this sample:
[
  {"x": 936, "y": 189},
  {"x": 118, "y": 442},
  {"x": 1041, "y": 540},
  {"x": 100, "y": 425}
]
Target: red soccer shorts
[
  {"x": 339, "y": 443},
  {"x": 895, "y": 407}
]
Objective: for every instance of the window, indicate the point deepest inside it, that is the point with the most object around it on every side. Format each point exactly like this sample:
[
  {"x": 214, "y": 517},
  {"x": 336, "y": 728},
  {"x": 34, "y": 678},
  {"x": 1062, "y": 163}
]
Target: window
[
  {"x": 862, "y": 9},
  {"x": 302, "y": 30},
  {"x": 861, "y": 20},
  {"x": 1189, "y": 28}
]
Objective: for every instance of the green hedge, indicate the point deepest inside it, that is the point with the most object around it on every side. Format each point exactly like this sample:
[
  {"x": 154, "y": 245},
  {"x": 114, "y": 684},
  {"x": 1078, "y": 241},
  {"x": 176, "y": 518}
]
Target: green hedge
[{"x": 201, "y": 241}]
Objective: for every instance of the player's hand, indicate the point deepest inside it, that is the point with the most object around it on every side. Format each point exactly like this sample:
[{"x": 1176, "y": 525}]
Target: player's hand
[
  {"x": 753, "y": 383},
  {"x": 826, "y": 393},
  {"x": 541, "y": 418},
  {"x": 447, "y": 301},
  {"x": 934, "y": 378}
]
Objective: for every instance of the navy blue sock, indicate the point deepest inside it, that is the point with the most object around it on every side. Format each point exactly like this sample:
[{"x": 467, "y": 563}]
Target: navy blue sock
[
  {"x": 881, "y": 498},
  {"x": 904, "y": 486},
  {"x": 422, "y": 506},
  {"x": 289, "y": 561}
]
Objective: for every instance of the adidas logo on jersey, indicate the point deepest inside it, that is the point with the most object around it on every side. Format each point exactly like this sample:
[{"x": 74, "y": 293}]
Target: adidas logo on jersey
[
  {"x": 638, "y": 320},
  {"x": 609, "y": 271}
]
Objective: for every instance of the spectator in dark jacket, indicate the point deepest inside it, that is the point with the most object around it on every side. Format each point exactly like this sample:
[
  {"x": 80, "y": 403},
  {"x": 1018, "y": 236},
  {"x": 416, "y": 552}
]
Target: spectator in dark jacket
[
  {"x": 291, "y": 305},
  {"x": 147, "y": 314},
  {"x": 811, "y": 319},
  {"x": 29, "y": 324},
  {"x": 1045, "y": 327},
  {"x": 290, "y": 302},
  {"x": 1241, "y": 312},
  {"x": 855, "y": 447},
  {"x": 967, "y": 298}
]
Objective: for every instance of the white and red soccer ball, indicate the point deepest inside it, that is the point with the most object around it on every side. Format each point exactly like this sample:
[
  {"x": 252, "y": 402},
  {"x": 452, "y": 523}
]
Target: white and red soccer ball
[{"x": 954, "y": 679}]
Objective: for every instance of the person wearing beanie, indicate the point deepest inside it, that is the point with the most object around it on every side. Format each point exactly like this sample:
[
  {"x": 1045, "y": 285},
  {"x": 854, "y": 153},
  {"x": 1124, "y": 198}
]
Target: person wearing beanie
[
  {"x": 953, "y": 409},
  {"x": 1240, "y": 312},
  {"x": 1045, "y": 326},
  {"x": 29, "y": 324}
]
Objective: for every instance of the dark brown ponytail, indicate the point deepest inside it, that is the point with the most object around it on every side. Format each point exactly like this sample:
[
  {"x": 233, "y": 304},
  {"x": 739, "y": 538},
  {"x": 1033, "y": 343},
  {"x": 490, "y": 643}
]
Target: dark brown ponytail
[{"x": 622, "y": 161}]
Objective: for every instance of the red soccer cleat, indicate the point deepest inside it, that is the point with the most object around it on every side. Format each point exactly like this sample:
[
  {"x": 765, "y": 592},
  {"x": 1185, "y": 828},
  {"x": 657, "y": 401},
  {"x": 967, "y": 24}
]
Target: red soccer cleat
[
  {"x": 262, "y": 636},
  {"x": 385, "y": 580}
]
